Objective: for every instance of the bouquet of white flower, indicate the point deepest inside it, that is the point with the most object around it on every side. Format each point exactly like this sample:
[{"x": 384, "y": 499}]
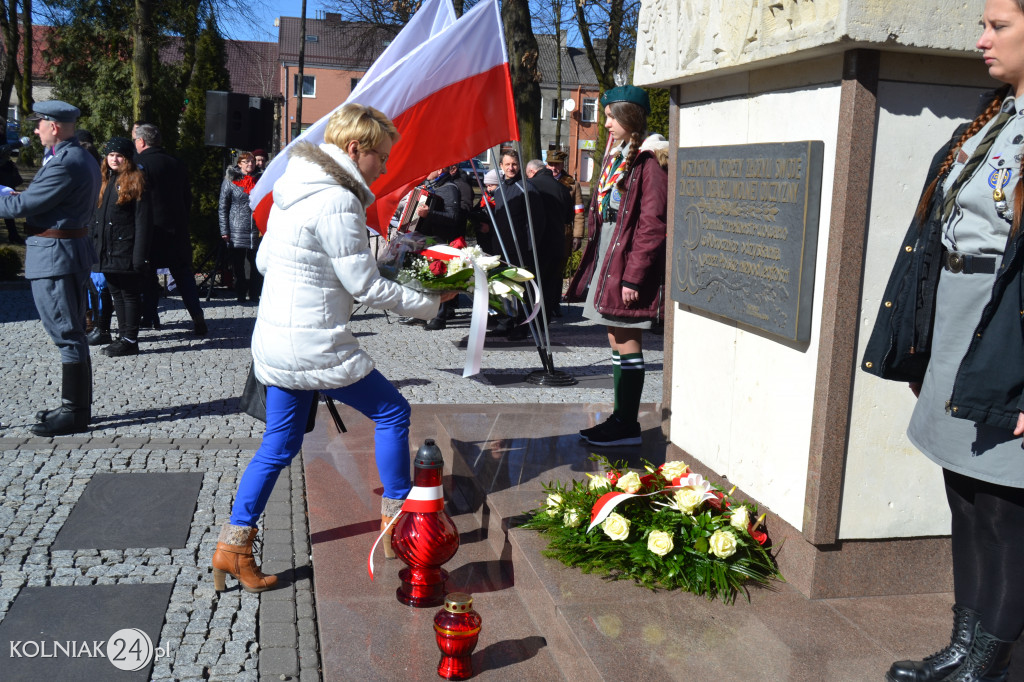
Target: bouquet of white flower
[{"x": 413, "y": 261}]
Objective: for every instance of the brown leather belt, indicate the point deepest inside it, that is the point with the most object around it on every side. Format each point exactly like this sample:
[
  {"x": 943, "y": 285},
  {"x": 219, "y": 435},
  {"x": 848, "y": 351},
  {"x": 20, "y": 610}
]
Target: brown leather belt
[{"x": 62, "y": 234}]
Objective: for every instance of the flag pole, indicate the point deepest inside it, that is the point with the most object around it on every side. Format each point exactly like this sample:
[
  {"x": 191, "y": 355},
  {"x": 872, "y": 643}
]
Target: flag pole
[{"x": 544, "y": 358}]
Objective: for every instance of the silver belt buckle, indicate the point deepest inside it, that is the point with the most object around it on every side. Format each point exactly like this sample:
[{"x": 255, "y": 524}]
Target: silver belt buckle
[{"x": 955, "y": 262}]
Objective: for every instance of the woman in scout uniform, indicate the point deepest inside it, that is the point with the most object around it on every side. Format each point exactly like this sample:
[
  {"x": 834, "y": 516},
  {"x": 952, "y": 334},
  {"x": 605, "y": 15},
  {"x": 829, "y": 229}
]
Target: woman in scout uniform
[
  {"x": 951, "y": 325},
  {"x": 624, "y": 262}
]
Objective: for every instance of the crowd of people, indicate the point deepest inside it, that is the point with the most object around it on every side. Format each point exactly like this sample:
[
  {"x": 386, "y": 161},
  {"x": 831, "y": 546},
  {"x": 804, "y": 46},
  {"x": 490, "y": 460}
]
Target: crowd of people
[{"x": 102, "y": 223}]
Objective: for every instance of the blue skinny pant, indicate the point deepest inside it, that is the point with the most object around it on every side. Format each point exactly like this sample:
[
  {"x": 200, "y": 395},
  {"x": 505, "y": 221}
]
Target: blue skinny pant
[{"x": 287, "y": 411}]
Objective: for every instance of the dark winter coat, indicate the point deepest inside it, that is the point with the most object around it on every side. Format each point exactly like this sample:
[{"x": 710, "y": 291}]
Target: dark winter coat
[
  {"x": 989, "y": 386},
  {"x": 558, "y": 209},
  {"x": 510, "y": 201},
  {"x": 447, "y": 217},
  {"x": 236, "y": 221},
  {"x": 122, "y": 234},
  {"x": 171, "y": 195},
  {"x": 636, "y": 258}
]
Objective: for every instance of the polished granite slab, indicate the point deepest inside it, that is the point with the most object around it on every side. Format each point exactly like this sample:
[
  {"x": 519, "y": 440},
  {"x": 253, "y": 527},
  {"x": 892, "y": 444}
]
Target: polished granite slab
[{"x": 543, "y": 620}]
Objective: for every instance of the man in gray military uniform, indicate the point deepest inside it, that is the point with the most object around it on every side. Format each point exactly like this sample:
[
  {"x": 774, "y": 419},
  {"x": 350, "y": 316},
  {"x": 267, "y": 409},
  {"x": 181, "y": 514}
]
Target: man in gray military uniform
[{"x": 58, "y": 208}]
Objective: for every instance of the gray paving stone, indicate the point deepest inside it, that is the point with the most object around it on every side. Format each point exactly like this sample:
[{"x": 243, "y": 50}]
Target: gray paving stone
[{"x": 277, "y": 661}]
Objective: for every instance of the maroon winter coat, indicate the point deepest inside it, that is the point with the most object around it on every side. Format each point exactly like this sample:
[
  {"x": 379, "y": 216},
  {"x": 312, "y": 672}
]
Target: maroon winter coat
[{"x": 637, "y": 254}]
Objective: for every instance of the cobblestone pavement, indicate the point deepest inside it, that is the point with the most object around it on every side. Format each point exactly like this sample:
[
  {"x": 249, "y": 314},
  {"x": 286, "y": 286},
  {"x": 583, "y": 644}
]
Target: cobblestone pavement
[{"x": 174, "y": 408}]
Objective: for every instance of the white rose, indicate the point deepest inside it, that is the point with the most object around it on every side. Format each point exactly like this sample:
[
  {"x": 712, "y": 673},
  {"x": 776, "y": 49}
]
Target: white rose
[
  {"x": 553, "y": 502},
  {"x": 722, "y": 544},
  {"x": 659, "y": 542},
  {"x": 689, "y": 499},
  {"x": 571, "y": 518},
  {"x": 616, "y": 526},
  {"x": 740, "y": 518},
  {"x": 598, "y": 482},
  {"x": 629, "y": 483},
  {"x": 673, "y": 470}
]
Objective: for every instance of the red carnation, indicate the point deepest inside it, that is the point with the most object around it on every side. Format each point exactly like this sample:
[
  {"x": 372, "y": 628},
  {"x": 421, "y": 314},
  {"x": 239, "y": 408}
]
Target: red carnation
[
  {"x": 438, "y": 268},
  {"x": 613, "y": 476},
  {"x": 458, "y": 243},
  {"x": 646, "y": 481}
]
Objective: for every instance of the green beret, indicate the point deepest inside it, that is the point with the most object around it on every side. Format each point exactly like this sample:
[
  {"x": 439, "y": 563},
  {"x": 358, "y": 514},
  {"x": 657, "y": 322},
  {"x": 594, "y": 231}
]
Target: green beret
[{"x": 627, "y": 93}]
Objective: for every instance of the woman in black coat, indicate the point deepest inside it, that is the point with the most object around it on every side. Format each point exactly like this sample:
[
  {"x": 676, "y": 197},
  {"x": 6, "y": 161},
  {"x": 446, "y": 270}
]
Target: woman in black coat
[{"x": 122, "y": 234}]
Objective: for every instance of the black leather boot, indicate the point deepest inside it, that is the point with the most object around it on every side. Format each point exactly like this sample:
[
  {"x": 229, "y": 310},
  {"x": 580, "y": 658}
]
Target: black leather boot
[
  {"x": 941, "y": 663},
  {"x": 76, "y": 403},
  {"x": 987, "y": 661}
]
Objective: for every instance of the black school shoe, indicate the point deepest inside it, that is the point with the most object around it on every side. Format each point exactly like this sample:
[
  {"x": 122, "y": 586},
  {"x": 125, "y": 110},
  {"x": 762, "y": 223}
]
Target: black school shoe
[
  {"x": 121, "y": 348},
  {"x": 613, "y": 432}
]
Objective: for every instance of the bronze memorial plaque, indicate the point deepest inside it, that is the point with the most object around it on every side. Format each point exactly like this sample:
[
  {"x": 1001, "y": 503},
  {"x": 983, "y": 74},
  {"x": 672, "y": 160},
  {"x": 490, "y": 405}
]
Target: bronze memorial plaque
[{"x": 746, "y": 233}]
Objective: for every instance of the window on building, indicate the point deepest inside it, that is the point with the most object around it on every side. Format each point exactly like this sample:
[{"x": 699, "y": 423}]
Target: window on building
[
  {"x": 557, "y": 111},
  {"x": 308, "y": 86},
  {"x": 353, "y": 82},
  {"x": 588, "y": 112}
]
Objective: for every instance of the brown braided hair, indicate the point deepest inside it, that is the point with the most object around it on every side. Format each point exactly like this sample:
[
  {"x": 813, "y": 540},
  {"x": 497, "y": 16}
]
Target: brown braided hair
[
  {"x": 991, "y": 109},
  {"x": 633, "y": 118}
]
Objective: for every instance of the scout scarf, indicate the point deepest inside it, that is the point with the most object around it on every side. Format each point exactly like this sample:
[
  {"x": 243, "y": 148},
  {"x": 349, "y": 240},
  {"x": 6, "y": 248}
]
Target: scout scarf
[{"x": 610, "y": 175}]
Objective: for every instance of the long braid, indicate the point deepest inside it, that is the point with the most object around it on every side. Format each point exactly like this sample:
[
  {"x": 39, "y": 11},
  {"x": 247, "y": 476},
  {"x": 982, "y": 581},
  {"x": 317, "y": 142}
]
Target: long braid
[
  {"x": 635, "y": 140},
  {"x": 977, "y": 124}
]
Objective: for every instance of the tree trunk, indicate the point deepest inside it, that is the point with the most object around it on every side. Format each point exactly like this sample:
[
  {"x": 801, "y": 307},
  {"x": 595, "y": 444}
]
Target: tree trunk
[
  {"x": 24, "y": 82},
  {"x": 522, "y": 57},
  {"x": 11, "y": 38},
  {"x": 142, "y": 61},
  {"x": 605, "y": 73}
]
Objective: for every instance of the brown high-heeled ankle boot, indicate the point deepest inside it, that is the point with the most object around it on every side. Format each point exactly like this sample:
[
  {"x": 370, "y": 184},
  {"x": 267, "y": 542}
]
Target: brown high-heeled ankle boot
[
  {"x": 389, "y": 551},
  {"x": 389, "y": 509},
  {"x": 234, "y": 556}
]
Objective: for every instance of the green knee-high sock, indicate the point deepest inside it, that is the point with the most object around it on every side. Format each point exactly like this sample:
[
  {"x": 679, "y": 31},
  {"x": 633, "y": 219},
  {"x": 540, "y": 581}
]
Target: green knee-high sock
[
  {"x": 630, "y": 387},
  {"x": 616, "y": 376}
]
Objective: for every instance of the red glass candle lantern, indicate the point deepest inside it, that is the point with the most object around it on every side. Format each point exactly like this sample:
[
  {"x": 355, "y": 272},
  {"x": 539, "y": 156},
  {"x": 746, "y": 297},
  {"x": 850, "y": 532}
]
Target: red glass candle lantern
[
  {"x": 425, "y": 536},
  {"x": 457, "y": 629}
]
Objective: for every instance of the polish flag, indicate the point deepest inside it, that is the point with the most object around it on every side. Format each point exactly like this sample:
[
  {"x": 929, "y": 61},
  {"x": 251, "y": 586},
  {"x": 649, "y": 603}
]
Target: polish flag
[
  {"x": 450, "y": 98},
  {"x": 434, "y": 16}
]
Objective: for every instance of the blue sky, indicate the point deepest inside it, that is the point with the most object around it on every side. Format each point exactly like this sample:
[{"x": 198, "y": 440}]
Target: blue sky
[{"x": 266, "y": 13}]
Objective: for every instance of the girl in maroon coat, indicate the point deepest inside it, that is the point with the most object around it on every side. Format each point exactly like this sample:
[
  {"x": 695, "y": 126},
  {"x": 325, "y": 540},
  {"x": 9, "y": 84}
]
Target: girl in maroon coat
[{"x": 624, "y": 263}]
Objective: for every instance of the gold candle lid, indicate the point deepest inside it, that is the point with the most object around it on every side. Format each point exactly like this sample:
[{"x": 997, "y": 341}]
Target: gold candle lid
[{"x": 458, "y": 602}]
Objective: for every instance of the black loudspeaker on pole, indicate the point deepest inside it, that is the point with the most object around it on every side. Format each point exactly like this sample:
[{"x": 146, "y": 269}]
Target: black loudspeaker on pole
[{"x": 238, "y": 121}]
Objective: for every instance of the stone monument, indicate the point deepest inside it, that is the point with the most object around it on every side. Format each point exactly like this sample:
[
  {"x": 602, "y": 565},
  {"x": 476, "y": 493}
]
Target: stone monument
[{"x": 789, "y": 418}]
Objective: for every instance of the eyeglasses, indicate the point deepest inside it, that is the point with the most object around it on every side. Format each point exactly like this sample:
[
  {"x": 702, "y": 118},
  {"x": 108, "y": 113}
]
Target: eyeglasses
[{"x": 383, "y": 157}]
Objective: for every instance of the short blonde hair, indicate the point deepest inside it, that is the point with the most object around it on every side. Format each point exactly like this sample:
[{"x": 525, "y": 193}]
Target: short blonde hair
[{"x": 364, "y": 124}]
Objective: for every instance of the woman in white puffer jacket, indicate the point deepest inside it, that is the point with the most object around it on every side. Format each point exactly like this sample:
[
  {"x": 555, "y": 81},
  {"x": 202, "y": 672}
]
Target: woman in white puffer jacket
[{"x": 316, "y": 260}]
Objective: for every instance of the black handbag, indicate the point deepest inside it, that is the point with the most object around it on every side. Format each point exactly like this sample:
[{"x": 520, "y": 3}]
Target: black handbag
[{"x": 254, "y": 403}]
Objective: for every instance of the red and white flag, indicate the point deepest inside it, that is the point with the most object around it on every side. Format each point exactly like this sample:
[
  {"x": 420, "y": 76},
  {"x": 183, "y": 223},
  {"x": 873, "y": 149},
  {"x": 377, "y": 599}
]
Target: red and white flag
[
  {"x": 450, "y": 98},
  {"x": 434, "y": 16}
]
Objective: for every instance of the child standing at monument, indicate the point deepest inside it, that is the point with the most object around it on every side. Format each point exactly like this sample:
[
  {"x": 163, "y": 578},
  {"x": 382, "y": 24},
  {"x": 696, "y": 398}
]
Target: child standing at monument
[{"x": 624, "y": 262}]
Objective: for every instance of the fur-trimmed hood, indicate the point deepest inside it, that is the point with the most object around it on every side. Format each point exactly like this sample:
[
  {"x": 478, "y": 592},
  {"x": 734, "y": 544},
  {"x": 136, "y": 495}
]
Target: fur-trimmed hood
[
  {"x": 313, "y": 169},
  {"x": 233, "y": 173}
]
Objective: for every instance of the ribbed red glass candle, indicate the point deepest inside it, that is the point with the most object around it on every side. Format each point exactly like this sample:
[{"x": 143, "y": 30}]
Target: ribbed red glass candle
[
  {"x": 457, "y": 630},
  {"x": 425, "y": 540}
]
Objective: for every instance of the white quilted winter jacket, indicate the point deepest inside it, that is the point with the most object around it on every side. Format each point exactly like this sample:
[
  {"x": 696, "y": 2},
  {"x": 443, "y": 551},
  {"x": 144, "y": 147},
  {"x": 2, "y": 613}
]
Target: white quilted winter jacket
[{"x": 316, "y": 259}]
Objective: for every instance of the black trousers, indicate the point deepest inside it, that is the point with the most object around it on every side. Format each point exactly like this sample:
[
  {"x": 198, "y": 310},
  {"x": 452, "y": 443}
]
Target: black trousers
[
  {"x": 988, "y": 551},
  {"x": 248, "y": 279},
  {"x": 126, "y": 290}
]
